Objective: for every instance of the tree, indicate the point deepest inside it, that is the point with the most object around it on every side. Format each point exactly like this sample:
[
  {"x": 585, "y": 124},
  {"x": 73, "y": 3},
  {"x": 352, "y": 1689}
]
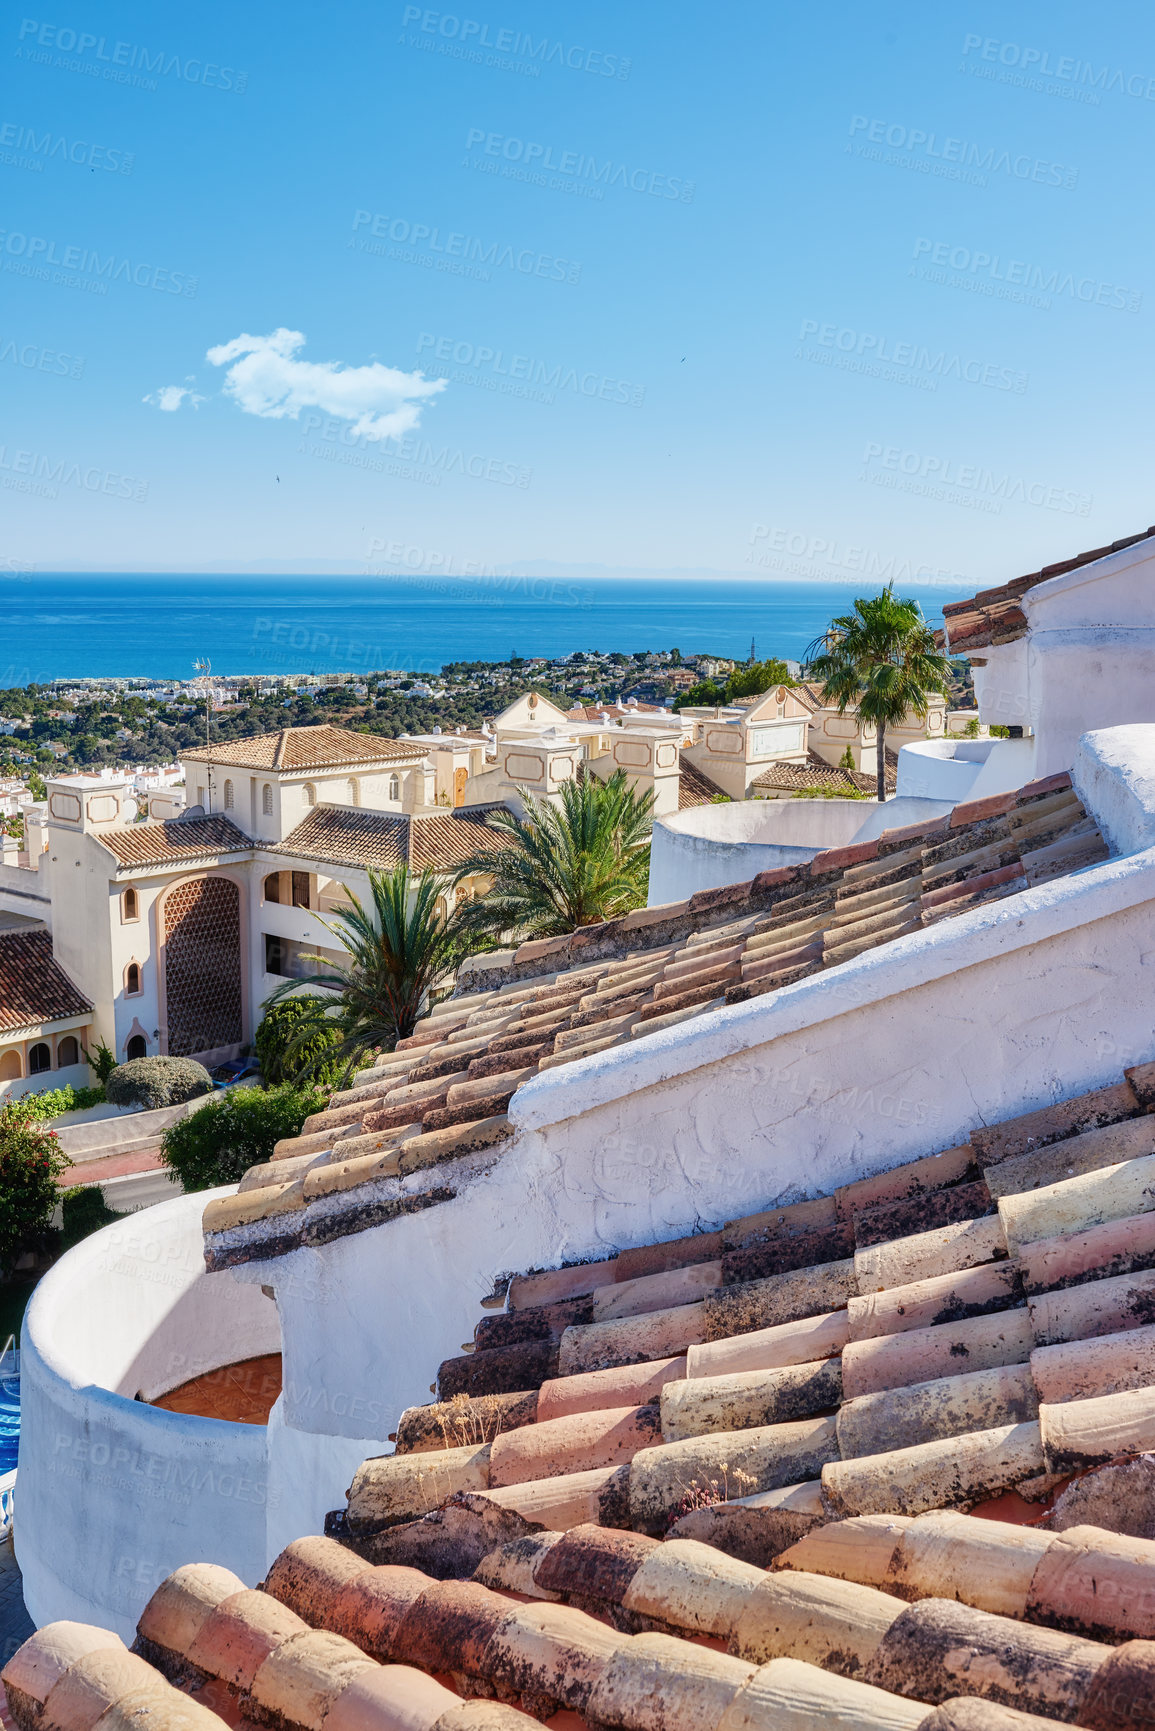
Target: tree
[
  {"x": 277, "y": 1033},
  {"x": 566, "y": 865},
  {"x": 882, "y": 660},
  {"x": 30, "y": 1163},
  {"x": 704, "y": 695},
  {"x": 399, "y": 949},
  {"x": 239, "y": 1129},
  {"x": 755, "y": 678}
]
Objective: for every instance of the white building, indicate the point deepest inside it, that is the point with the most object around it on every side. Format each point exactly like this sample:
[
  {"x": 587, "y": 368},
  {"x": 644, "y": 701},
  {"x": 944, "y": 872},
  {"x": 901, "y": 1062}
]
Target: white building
[{"x": 174, "y": 931}]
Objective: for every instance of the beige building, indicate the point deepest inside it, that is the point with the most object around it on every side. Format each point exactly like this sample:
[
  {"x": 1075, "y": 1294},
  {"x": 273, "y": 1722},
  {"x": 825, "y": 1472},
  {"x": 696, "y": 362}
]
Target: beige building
[{"x": 170, "y": 933}]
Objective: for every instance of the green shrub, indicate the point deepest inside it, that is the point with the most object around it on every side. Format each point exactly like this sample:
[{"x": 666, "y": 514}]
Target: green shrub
[
  {"x": 218, "y": 1143},
  {"x": 85, "y": 1211},
  {"x": 279, "y": 1026},
  {"x": 53, "y": 1101},
  {"x": 830, "y": 793},
  {"x": 30, "y": 1162},
  {"x": 156, "y": 1082},
  {"x": 101, "y": 1058}
]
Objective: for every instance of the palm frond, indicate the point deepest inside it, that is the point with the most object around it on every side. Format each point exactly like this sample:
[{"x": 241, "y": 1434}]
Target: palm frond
[{"x": 563, "y": 864}]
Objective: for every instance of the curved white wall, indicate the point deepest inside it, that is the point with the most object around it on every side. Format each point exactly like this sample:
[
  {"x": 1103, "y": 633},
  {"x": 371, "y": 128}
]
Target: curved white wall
[
  {"x": 964, "y": 769},
  {"x": 113, "y": 1494},
  {"x": 711, "y": 845}
]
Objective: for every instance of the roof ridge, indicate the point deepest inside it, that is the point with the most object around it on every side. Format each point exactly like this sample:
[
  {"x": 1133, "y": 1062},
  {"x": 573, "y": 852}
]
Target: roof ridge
[{"x": 279, "y": 750}]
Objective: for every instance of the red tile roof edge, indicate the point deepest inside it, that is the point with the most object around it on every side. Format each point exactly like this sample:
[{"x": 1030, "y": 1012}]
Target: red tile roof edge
[{"x": 648, "y": 927}]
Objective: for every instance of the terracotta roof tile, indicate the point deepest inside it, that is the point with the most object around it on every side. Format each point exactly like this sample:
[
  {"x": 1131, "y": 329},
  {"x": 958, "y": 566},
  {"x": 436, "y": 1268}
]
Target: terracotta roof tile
[
  {"x": 695, "y": 787},
  {"x": 177, "y": 838},
  {"x": 33, "y": 986},
  {"x": 994, "y": 615},
  {"x": 439, "y": 841},
  {"x": 304, "y": 748},
  {"x": 876, "y": 1400},
  {"x": 816, "y": 772}
]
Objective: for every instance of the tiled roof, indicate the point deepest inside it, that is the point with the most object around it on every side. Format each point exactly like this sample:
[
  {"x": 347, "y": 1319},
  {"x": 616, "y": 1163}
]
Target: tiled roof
[
  {"x": 298, "y": 748},
  {"x": 445, "y": 1092},
  {"x": 613, "y": 711},
  {"x": 177, "y": 838},
  {"x": 719, "y": 1484},
  {"x": 439, "y": 840},
  {"x": 33, "y": 986},
  {"x": 695, "y": 786},
  {"x": 816, "y": 772},
  {"x": 995, "y": 616}
]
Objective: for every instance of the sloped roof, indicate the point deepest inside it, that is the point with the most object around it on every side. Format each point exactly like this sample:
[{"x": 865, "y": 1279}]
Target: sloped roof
[
  {"x": 445, "y": 1092},
  {"x": 33, "y": 986},
  {"x": 816, "y": 772},
  {"x": 301, "y": 748},
  {"x": 177, "y": 838},
  {"x": 695, "y": 787},
  {"x": 995, "y": 615},
  {"x": 437, "y": 840},
  {"x": 720, "y": 1482}
]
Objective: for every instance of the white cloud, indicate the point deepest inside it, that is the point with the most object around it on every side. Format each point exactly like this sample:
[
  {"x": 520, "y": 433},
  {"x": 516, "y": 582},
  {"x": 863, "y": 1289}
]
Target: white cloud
[
  {"x": 170, "y": 397},
  {"x": 265, "y": 378}
]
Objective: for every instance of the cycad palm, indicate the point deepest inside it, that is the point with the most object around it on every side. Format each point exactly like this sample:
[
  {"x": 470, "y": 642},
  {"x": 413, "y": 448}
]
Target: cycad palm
[
  {"x": 564, "y": 865},
  {"x": 399, "y": 948},
  {"x": 882, "y": 660}
]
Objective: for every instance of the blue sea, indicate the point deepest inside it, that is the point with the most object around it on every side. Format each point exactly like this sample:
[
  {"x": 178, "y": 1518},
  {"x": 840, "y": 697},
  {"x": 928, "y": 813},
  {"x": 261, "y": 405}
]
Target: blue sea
[{"x": 66, "y": 625}]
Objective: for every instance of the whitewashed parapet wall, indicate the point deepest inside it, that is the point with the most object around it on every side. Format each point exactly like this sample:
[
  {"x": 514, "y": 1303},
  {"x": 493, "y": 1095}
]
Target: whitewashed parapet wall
[
  {"x": 897, "y": 1053},
  {"x": 113, "y": 1493}
]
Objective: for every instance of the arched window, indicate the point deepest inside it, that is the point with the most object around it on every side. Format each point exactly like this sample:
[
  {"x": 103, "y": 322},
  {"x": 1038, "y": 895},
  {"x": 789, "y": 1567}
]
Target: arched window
[
  {"x": 10, "y": 1070},
  {"x": 394, "y": 787},
  {"x": 229, "y": 801},
  {"x": 273, "y": 887},
  {"x": 354, "y": 791},
  {"x": 129, "y": 906},
  {"x": 67, "y": 1052},
  {"x": 136, "y": 1047},
  {"x": 267, "y": 800},
  {"x": 132, "y": 980},
  {"x": 39, "y": 1059},
  {"x": 310, "y": 794}
]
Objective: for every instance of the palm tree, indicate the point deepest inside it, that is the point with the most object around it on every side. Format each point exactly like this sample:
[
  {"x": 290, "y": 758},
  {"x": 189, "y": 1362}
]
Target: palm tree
[
  {"x": 399, "y": 949},
  {"x": 563, "y": 865},
  {"x": 882, "y": 660}
]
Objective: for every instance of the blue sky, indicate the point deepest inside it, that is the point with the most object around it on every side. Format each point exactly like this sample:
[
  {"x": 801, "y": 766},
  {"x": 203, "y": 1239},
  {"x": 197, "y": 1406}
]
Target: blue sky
[{"x": 811, "y": 289}]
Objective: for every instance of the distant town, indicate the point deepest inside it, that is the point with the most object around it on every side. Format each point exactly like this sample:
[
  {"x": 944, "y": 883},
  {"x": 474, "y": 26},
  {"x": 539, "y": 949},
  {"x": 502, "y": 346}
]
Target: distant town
[{"x": 141, "y": 726}]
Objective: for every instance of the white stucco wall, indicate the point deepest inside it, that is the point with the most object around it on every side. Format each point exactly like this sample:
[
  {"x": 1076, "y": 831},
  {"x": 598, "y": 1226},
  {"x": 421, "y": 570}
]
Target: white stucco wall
[
  {"x": 896, "y": 1054},
  {"x": 113, "y": 1494},
  {"x": 965, "y": 769},
  {"x": 710, "y": 845},
  {"x": 1115, "y": 778},
  {"x": 1086, "y": 661}
]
